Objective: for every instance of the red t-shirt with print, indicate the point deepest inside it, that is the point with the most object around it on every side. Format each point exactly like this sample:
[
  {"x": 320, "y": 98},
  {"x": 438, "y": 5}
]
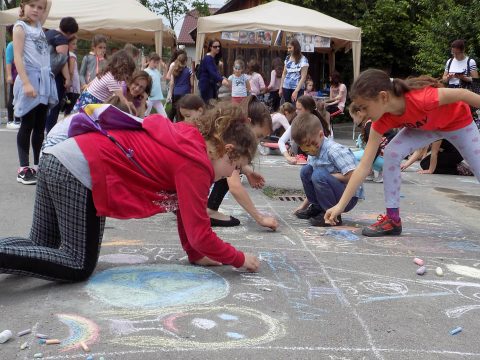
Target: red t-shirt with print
[{"x": 423, "y": 112}]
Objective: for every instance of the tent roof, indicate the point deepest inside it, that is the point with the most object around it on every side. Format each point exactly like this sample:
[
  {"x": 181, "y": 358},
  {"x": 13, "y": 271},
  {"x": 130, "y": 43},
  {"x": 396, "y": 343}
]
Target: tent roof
[
  {"x": 122, "y": 20},
  {"x": 277, "y": 15}
]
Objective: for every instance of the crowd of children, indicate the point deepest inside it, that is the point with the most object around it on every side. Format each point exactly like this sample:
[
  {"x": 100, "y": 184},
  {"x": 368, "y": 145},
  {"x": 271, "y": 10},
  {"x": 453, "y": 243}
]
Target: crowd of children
[{"x": 171, "y": 164}]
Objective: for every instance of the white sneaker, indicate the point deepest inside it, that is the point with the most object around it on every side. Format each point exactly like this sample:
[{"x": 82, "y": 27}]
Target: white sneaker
[
  {"x": 370, "y": 176},
  {"x": 13, "y": 125},
  {"x": 378, "y": 178}
]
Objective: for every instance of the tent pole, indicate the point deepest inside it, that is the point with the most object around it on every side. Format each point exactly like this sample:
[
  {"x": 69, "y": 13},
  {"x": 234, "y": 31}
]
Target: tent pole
[
  {"x": 3, "y": 99},
  {"x": 159, "y": 42}
]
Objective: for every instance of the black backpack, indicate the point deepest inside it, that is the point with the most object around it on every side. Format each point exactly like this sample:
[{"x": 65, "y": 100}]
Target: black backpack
[{"x": 198, "y": 70}]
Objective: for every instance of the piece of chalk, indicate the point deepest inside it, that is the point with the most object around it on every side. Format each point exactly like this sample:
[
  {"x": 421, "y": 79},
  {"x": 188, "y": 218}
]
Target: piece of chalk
[
  {"x": 52, "y": 341},
  {"x": 419, "y": 261},
  {"x": 84, "y": 346},
  {"x": 421, "y": 270},
  {"x": 89, "y": 357},
  {"x": 265, "y": 289},
  {"x": 5, "y": 336},
  {"x": 455, "y": 331},
  {"x": 101, "y": 358},
  {"x": 24, "y": 332},
  {"x": 42, "y": 341},
  {"x": 24, "y": 346},
  {"x": 439, "y": 271},
  {"x": 38, "y": 355},
  {"x": 41, "y": 336}
]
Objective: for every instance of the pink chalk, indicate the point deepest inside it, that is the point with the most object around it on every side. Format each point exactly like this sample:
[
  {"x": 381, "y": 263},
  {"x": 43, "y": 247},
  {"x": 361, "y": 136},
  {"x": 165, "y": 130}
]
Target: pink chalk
[{"x": 419, "y": 261}]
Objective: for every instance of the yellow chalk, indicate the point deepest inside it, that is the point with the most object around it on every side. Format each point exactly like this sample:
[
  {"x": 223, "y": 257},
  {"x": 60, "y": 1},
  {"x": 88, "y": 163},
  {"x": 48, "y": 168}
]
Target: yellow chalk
[
  {"x": 84, "y": 346},
  {"x": 52, "y": 341}
]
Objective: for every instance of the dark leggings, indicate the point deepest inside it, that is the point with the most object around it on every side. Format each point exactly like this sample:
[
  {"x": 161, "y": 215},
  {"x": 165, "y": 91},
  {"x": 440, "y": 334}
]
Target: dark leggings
[
  {"x": 220, "y": 189},
  {"x": 55, "y": 111},
  {"x": 173, "y": 112},
  {"x": 32, "y": 125},
  {"x": 10, "y": 105},
  {"x": 446, "y": 163},
  {"x": 66, "y": 234}
]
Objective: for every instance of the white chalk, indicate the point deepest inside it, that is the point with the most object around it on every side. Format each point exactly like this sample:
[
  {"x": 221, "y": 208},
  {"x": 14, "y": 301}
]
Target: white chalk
[
  {"x": 439, "y": 271},
  {"x": 24, "y": 332},
  {"x": 265, "y": 289},
  {"x": 41, "y": 336},
  {"x": 5, "y": 336},
  {"x": 419, "y": 261},
  {"x": 421, "y": 270},
  {"x": 38, "y": 355},
  {"x": 24, "y": 346}
]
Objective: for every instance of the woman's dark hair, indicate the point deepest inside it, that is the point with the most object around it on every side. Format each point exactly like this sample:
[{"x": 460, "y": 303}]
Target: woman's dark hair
[
  {"x": 297, "y": 50},
  {"x": 257, "y": 112},
  {"x": 458, "y": 44},
  {"x": 121, "y": 65},
  {"x": 68, "y": 25},
  {"x": 277, "y": 65},
  {"x": 253, "y": 66},
  {"x": 189, "y": 102},
  {"x": 309, "y": 104},
  {"x": 209, "y": 47},
  {"x": 372, "y": 81},
  {"x": 175, "y": 54},
  {"x": 336, "y": 79}
]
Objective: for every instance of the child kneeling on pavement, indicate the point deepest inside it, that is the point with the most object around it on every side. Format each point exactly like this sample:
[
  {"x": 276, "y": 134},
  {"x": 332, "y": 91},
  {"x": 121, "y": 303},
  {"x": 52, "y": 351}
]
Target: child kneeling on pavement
[{"x": 327, "y": 171}]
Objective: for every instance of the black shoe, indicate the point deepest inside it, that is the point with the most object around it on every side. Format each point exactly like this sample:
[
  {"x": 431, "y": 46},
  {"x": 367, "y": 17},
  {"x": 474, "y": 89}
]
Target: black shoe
[
  {"x": 225, "y": 223},
  {"x": 310, "y": 212},
  {"x": 27, "y": 176},
  {"x": 319, "y": 220}
]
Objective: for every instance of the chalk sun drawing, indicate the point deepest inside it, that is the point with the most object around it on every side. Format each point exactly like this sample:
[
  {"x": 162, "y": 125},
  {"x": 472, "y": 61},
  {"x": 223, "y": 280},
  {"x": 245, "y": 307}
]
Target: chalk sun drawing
[
  {"x": 171, "y": 328},
  {"x": 123, "y": 259},
  {"x": 157, "y": 286},
  {"x": 464, "y": 270},
  {"x": 81, "y": 330}
]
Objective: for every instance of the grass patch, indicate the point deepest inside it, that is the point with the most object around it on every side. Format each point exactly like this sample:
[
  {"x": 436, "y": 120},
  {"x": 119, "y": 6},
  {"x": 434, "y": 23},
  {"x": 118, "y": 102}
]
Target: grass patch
[{"x": 273, "y": 192}]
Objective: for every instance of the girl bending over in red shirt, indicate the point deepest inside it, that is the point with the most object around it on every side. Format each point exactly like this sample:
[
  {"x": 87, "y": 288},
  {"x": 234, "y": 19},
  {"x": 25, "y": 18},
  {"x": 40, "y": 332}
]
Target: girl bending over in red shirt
[{"x": 426, "y": 112}]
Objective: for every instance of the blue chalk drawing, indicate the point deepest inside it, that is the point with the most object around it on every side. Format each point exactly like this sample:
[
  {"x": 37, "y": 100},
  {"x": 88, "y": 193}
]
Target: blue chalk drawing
[
  {"x": 157, "y": 286},
  {"x": 464, "y": 245},
  {"x": 228, "y": 317},
  {"x": 342, "y": 234},
  {"x": 234, "y": 335}
]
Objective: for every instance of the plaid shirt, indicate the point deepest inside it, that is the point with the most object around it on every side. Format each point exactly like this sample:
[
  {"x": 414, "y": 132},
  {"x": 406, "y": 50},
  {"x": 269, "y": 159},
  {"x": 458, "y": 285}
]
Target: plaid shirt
[{"x": 336, "y": 158}]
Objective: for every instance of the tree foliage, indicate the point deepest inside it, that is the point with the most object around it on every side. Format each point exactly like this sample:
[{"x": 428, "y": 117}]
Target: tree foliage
[{"x": 172, "y": 10}]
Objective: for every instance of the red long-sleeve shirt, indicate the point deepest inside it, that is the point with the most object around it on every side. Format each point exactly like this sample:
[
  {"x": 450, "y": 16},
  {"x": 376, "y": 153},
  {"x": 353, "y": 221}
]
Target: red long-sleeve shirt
[{"x": 179, "y": 172}]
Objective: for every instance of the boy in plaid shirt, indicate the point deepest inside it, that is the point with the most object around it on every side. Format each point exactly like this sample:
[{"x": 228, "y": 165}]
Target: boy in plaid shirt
[{"x": 327, "y": 171}]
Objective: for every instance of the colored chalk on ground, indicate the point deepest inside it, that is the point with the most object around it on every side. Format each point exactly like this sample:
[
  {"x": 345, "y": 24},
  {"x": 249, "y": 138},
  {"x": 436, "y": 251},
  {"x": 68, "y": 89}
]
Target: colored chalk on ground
[
  {"x": 24, "y": 332},
  {"x": 89, "y": 357},
  {"x": 439, "y": 271},
  {"x": 41, "y": 336},
  {"x": 101, "y": 358},
  {"x": 42, "y": 341},
  {"x": 5, "y": 335},
  {"x": 421, "y": 270},
  {"x": 52, "y": 341},
  {"x": 24, "y": 346},
  {"x": 84, "y": 346},
  {"x": 419, "y": 261},
  {"x": 455, "y": 331},
  {"x": 38, "y": 356}
]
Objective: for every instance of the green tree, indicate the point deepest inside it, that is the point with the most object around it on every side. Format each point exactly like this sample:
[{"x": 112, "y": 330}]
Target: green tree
[{"x": 172, "y": 10}]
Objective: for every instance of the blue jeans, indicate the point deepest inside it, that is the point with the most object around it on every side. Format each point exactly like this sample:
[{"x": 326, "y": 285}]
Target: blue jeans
[
  {"x": 322, "y": 189},
  {"x": 377, "y": 164},
  {"x": 287, "y": 95}
]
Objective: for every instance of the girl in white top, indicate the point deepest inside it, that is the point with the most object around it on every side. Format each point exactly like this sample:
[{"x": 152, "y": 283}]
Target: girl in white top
[{"x": 338, "y": 94}]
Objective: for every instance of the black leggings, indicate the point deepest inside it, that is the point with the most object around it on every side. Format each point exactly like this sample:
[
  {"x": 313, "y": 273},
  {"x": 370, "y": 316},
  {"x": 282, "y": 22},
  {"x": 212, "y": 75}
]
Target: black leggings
[
  {"x": 220, "y": 189},
  {"x": 10, "y": 105},
  {"x": 32, "y": 125}
]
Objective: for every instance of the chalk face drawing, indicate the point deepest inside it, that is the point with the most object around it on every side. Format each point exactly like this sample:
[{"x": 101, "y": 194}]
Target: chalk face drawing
[
  {"x": 123, "y": 259},
  {"x": 155, "y": 286},
  {"x": 193, "y": 327},
  {"x": 81, "y": 330}
]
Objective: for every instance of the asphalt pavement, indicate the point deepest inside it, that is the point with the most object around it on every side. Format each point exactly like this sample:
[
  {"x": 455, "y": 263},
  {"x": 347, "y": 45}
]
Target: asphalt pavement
[{"x": 321, "y": 293}]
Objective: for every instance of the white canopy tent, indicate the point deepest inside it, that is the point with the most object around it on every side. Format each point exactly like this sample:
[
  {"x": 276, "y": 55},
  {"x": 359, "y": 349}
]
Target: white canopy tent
[
  {"x": 277, "y": 15},
  {"x": 121, "y": 20}
]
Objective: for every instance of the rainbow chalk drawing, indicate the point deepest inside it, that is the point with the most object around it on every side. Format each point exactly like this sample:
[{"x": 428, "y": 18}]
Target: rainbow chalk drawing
[
  {"x": 81, "y": 330},
  {"x": 214, "y": 327},
  {"x": 156, "y": 286}
]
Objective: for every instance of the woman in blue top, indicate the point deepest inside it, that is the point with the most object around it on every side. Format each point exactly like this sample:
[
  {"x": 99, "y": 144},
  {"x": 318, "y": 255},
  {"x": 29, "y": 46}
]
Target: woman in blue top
[
  {"x": 294, "y": 73},
  {"x": 181, "y": 83},
  {"x": 209, "y": 75}
]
